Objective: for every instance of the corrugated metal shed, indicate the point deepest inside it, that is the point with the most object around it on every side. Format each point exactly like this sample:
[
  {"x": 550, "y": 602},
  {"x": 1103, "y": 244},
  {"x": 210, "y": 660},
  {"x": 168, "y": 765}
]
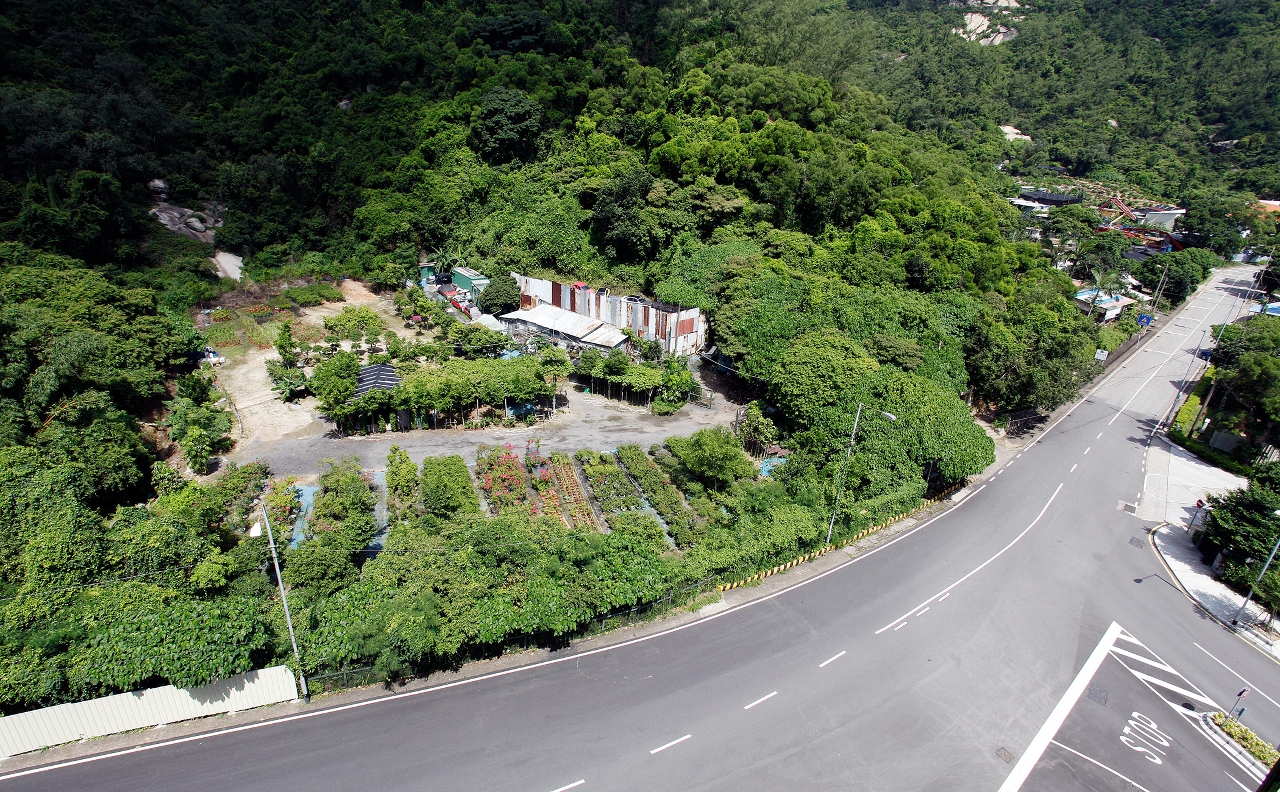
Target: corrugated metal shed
[
  {"x": 680, "y": 331},
  {"x": 569, "y": 324}
]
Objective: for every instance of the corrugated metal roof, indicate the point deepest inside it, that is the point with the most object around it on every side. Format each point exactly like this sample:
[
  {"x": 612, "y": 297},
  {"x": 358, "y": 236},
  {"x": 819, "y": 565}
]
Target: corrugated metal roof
[
  {"x": 380, "y": 376},
  {"x": 583, "y": 328},
  {"x": 606, "y": 335}
]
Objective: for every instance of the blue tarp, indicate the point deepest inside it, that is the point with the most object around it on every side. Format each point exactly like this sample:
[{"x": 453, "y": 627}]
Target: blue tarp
[
  {"x": 768, "y": 465},
  {"x": 307, "y": 496}
]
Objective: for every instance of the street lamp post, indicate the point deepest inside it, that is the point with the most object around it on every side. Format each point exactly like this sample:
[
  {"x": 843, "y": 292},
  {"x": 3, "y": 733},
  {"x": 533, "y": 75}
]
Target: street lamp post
[
  {"x": 845, "y": 470},
  {"x": 1235, "y": 622},
  {"x": 1252, "y": 288},
  {"x": 284, "y": 597}
]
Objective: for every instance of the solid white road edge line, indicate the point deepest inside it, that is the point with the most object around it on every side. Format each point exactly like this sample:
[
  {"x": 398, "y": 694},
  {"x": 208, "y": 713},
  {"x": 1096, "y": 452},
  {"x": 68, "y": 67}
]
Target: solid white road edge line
[
  {"x": 1168, "y": 357},
  {"x": 1252, "y": 686},
  {"x": 577, "y": 783},
  {"x": 761, "y": 700},
  {"x": 832, "y": 660},
  {"x": 979, "y": 568},
  {"x": 482, "y": 677},
  {"x": 668, "y": 745},
  {"x": 1097, "y": 388},
  {"x": 1100, "y": 764},
  {"x": 1059, "y": 714}
]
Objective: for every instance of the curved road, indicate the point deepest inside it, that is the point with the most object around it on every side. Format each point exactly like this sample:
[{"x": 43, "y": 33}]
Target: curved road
[{"x": 930, "y": 664}]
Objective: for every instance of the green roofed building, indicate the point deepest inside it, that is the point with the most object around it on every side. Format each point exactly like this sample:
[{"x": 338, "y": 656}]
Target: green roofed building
[{"x": 469, "y": 281}]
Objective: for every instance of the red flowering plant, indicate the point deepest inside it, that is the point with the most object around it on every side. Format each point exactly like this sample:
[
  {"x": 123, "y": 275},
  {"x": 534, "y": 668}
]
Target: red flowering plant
[{"x": 501, "y": 476}]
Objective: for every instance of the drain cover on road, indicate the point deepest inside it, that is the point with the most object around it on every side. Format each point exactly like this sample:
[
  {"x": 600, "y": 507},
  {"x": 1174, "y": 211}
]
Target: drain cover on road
[
  {"x": 1097, "y": 694},
  {"x": 1136, "y": 542},
  {"x": 1004, "y": 754}
]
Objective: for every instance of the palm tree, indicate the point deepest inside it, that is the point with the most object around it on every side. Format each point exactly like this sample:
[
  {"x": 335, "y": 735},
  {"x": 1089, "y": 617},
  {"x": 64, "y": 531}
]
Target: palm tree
[{"x": 1109, "y": 281}]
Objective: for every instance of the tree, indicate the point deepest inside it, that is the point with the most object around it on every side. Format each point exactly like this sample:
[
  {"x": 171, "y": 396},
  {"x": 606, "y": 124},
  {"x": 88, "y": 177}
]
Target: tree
[
  {"x": 616, "y": 364},
  {"x": 555, "y": 364},
  {"x": 713, "y": 455},
  {"x": 197, "y": 446},
  {"x": 198, "y": 428},
  {"x": 1242, "y": 524},
  {"x": 508, "y": 126},
  {"x": 1248, "y": 363},
  {"x": 756, "y": 429},
  {"x": 286, "y": 346},
  {"x": 501, "y": 296},
  {"x": 1108, "y": 282},
  {"x": 817, "y": 373},
  {"x": 1182, "y": 271}
]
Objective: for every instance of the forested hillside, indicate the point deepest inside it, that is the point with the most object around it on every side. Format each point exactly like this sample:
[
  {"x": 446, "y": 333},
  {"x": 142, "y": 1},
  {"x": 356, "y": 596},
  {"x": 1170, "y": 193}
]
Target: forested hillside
[{"x": 826, "y": 182}]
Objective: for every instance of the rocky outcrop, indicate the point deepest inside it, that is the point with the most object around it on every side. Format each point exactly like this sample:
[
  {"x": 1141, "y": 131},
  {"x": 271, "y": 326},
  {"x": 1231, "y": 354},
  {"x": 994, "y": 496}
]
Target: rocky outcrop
[{"x": 196, "y": 224}]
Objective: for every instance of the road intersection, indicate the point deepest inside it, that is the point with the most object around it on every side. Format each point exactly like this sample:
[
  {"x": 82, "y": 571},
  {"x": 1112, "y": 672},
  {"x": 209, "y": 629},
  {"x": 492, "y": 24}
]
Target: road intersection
[{"x": 948, "y": 659}]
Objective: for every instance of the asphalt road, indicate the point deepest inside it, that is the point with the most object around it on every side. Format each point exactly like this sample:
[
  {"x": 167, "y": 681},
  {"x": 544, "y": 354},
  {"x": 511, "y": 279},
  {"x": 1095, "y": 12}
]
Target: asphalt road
[{"x": 930, "y": 664}]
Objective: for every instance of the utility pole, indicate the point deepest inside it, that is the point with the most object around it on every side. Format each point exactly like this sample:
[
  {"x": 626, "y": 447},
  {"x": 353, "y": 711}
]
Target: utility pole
[
  {"x": 284, "y": 597},
  {"x": 1155, "y": 299},
  {"x": 845, "y": 471},
  {"x": 1194, "y": 357}
]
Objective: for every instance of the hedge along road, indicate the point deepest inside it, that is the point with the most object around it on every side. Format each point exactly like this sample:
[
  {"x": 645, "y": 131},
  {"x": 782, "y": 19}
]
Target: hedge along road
[{"x": 799, "y": 690}]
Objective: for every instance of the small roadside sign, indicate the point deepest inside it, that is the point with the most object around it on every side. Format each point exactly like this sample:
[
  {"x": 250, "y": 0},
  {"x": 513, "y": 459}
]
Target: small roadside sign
[
  {"x": 1199, "y": 504},
  {"x": 1144, "y": 320},
  {"x": 1101, "y": 354}
]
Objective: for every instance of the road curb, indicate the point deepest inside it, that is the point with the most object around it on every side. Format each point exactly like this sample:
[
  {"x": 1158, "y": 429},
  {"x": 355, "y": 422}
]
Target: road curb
[
  {"x": 1246, "y": 636},
  {"x": 1228, "y": 744},
  {"x": 845, "y": 543}
]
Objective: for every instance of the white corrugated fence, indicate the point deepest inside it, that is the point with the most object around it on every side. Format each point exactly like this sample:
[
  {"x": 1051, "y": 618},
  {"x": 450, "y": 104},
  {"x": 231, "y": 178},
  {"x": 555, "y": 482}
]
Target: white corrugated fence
[{"x": 30, "y": 731}]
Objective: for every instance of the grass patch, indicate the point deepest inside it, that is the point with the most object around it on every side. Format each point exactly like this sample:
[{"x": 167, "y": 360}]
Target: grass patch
[
  {"x": 307, "y": 333},
  {"x": 221, "y": 335},
  {"x": 315, "y": 294},
  {"x": 261, "y": 336}
]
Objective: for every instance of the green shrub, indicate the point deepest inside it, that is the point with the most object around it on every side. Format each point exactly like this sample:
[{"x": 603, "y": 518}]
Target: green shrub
[
  {"x": 446, "y": 487},
  {"x": 315, "y": 294},
  {"x": 1110, "y": 338},
  {"x": 1187, "y": 414},
  {"x": 662, "y": 496},
  {"x": 1255, "y": 745},
  {"x": 221, "y": 335},
  {"x": 354, "y": 322},
  {"x": 611, "y": 487}
]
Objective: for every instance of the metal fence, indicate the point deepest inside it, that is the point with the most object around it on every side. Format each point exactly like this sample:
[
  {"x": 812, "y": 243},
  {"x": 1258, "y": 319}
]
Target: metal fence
[
  {"x": 343, "y": 679},
  {"x": 31, "y": 731}
]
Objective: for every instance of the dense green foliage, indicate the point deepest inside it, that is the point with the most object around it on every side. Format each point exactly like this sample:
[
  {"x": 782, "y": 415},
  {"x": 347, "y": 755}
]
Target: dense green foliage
[
  {"x": 172, "y": 593},
  {"x": 1243, "y": 526},
  {"x": 820, "y": 180}
]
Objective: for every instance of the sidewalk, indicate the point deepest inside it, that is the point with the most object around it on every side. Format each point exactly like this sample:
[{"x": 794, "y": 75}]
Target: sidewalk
[
  {"x": 1196, "y": 578},
  {"x": 1175, "y": 481}
]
